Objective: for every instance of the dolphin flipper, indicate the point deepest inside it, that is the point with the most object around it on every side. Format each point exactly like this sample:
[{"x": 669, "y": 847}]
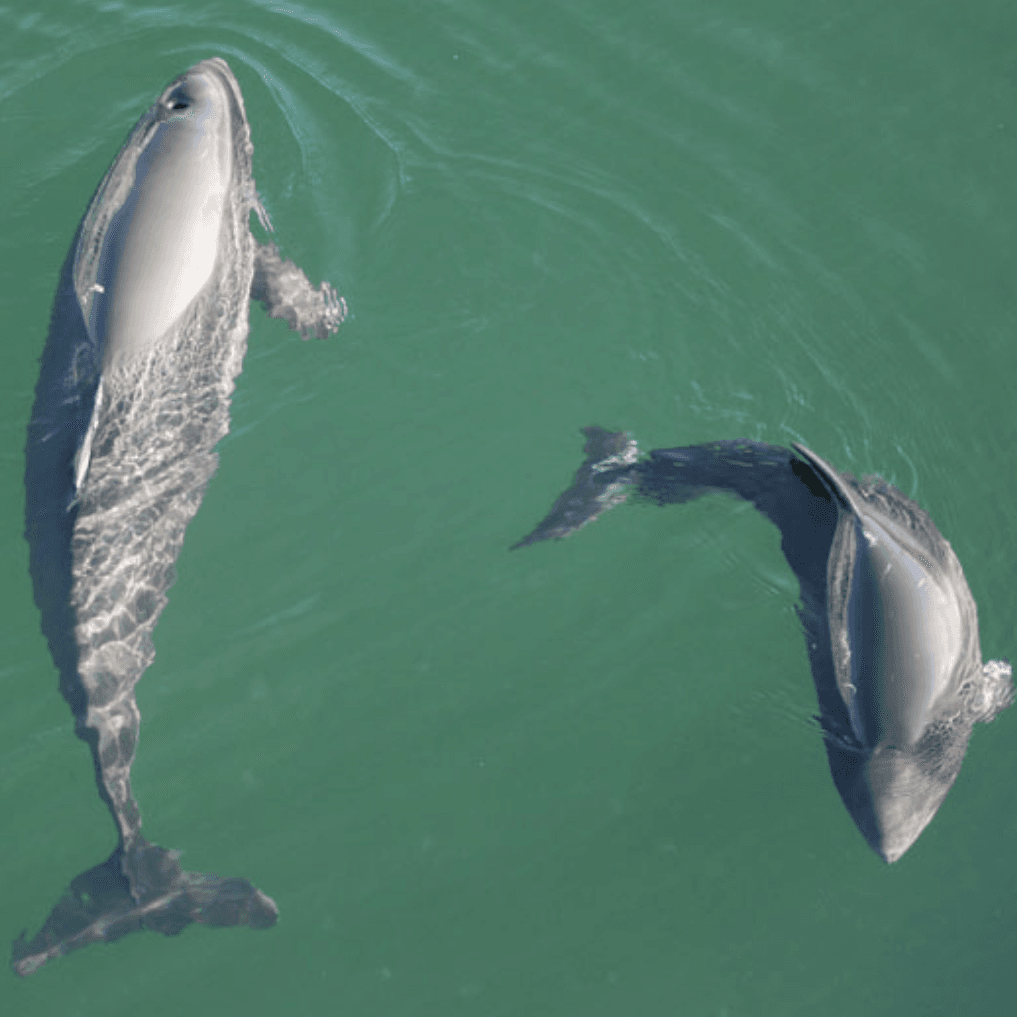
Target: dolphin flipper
[
  {"x": 890, "y": 625},
  {"x": 285, "y": 292}
]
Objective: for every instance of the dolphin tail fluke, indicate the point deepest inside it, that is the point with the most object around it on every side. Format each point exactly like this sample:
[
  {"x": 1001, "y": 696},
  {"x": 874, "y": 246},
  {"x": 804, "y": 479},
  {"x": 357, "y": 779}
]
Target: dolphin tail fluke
[
  {"x": 672, "y": 476},
  {"x": 99, "y": 905},
  {"x": 287, "y": 293},
  {"x": 599, "y": 485}
]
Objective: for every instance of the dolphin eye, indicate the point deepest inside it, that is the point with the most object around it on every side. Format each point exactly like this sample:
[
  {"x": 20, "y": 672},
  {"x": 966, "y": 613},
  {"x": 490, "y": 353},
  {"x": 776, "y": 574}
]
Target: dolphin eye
[{"x": 179, "y": 105}]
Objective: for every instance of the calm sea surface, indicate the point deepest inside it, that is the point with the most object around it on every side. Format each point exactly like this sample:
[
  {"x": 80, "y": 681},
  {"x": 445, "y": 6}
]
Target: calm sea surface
[{"x": 580, "y": 779}]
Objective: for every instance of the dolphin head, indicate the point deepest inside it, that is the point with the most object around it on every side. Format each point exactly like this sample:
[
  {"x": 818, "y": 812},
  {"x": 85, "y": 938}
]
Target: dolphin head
[
  {"x": 152, "y": 239},
  {"x": 892, "y": 794}
]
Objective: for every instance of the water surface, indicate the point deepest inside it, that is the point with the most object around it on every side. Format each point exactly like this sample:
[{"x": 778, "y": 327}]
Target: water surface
[{"x": 580, "y": 778}]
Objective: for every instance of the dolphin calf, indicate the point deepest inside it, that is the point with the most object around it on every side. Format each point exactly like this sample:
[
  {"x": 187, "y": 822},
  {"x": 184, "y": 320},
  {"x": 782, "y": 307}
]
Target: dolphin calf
[
  {"x": 147, "y": 336},
  {"x": 890, "y": 624}
]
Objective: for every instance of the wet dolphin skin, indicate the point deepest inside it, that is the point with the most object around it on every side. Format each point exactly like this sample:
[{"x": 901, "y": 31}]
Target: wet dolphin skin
[
  {"x": 147, "y": 335},
  {"x": 890, "y": 625}
]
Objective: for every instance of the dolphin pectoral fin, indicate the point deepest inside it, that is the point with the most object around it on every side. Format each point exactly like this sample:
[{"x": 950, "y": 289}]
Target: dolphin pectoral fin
[
  {"x": 262, "y": 213},
  {"x": 100, "y": 907},
  {"x": 993, "y": 693},
  {"x": 287, "y": 293},
  {"x": 598, "y": 486},
  {"x": 83, "y": 457}
]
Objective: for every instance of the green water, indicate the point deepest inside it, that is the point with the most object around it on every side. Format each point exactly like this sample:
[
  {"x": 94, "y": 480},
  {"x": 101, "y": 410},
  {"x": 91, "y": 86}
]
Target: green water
[{"x": 580, "y": 778}]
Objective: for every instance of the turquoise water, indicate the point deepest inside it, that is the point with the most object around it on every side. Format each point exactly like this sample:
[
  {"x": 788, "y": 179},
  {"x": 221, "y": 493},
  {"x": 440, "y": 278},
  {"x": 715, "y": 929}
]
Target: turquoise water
[{"x": 580, "y": 778}]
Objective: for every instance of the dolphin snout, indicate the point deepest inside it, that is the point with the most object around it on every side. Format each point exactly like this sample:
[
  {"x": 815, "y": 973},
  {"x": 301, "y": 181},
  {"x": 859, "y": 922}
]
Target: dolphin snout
[{"x": 902, "y": 800}]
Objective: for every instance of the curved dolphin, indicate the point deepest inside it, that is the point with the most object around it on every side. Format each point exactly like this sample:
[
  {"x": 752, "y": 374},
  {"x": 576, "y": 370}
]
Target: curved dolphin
[
  {"x": 890, "y": 624},
  {"x": 148, "y": 333}
]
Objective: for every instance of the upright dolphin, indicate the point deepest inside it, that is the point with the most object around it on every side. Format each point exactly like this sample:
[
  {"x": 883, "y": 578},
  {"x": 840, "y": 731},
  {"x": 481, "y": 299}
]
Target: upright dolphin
[
  {"x": 148, "y": 333},
  {"x": 890, "y": 624}
]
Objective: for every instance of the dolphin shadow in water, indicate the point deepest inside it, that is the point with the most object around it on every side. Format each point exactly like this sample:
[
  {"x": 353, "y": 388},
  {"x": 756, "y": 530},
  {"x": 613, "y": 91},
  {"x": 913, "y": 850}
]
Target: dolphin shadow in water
[
  {"x": 147, "y": 336},
  {"x": 890, "y": 625}
]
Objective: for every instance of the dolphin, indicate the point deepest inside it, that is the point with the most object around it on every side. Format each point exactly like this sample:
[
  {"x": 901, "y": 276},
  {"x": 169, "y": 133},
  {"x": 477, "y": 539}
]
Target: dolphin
[
  {"x": 890, "y": 625},
  {"x": 147, "y": 336}
]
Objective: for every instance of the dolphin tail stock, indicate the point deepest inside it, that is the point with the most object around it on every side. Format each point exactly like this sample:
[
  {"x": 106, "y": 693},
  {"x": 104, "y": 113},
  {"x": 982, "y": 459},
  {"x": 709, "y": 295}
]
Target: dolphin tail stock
[
  {"x": 99, "y": 905},
  {"x": 286, "y": 292}
]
